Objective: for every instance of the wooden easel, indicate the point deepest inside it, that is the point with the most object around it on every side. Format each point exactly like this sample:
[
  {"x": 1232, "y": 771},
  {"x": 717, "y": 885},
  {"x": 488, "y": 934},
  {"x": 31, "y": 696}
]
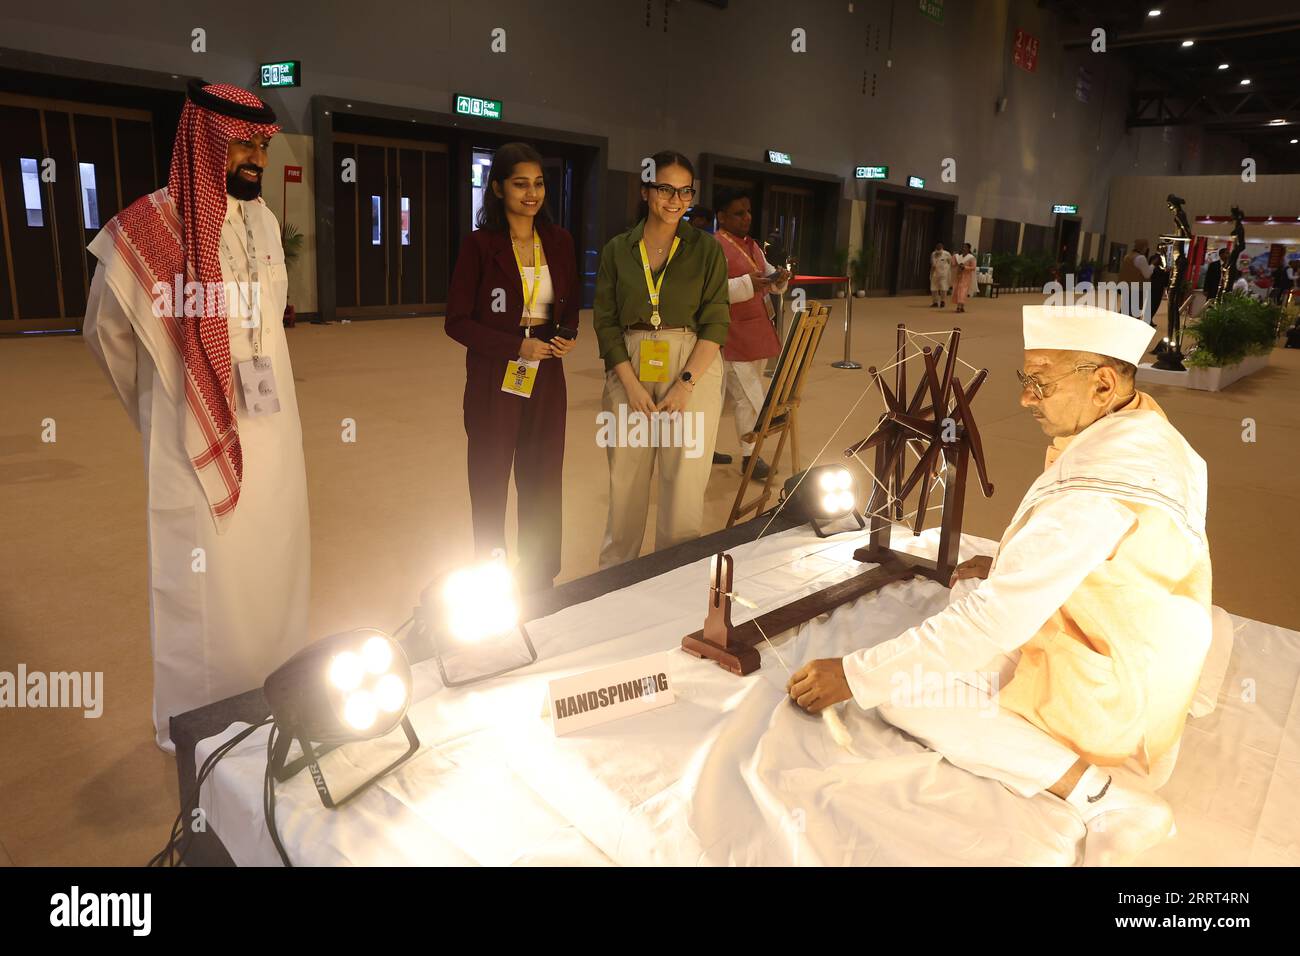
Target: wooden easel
[{"x": 780, "y": 411}]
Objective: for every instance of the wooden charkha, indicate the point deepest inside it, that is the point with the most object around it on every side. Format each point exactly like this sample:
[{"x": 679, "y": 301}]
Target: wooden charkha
[{"x": 936, "y": 424}]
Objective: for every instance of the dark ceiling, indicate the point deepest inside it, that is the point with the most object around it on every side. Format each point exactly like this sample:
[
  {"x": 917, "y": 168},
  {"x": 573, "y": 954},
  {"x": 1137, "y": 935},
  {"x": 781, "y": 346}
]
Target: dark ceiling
[{"x": 1175, "y": 85}]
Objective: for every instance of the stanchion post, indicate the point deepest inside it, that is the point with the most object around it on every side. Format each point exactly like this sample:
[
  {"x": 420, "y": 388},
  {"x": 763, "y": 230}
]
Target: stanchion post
[{"x": 847, "y": 362}]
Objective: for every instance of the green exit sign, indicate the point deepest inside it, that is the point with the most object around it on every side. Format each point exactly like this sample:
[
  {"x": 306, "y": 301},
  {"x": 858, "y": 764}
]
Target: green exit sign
[
  {"x": 1066, "y": 209},
  {"x": 916, "y": 182},
  {"x": 477, "y": 106},
  {"x": 284, "y": 73},
  {"x": 778, "y": 157},
  {"x": 871, "y": 172}
]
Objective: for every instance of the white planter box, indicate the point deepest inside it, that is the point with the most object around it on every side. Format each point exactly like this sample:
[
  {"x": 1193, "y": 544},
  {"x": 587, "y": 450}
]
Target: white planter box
[{"x": 1214, "y": 379}]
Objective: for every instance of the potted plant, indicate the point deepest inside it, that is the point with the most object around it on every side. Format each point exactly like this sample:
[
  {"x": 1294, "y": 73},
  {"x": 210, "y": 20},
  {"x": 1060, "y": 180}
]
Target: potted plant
[
  {"x": 1231, "y": 339},
  {"x": 291, "y": 239},
  {"x": 860, "y": 271},
  {"x": 841, "y": 268}
]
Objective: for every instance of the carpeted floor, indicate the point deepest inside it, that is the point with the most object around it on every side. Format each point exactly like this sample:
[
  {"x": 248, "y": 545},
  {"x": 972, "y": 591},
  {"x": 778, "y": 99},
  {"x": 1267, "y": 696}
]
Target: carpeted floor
[{"x": 391, "y": 510}]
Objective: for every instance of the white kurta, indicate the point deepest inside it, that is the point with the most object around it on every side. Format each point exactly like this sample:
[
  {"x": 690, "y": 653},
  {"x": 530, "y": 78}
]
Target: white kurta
[
  {"x": 225, "y": 609},
  {"x": 1102, "y": 581},
  {"x": 940, "y": 273}
]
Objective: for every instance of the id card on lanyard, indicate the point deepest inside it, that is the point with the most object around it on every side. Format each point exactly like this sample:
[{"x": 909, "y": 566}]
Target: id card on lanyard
[
  {"x": 530, "y": 295},
  {"x": 256, "y": 376},
  {"x": 521, "y": 375},
  {"x": 654, "y": 353}
]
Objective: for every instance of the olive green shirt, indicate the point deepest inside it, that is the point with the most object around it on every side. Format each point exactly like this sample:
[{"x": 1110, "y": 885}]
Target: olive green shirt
[{"x": 693, "y": 294}]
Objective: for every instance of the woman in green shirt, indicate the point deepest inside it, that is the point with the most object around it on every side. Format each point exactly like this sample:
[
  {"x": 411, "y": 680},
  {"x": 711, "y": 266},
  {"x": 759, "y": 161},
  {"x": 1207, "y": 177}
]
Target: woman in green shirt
[{"x": 661, "y": 314}]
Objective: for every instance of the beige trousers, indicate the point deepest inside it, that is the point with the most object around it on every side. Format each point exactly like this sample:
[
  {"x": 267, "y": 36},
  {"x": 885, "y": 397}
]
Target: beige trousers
[
  {"x": 684, "y": 453},
  {"x": 745, "y": 391}
]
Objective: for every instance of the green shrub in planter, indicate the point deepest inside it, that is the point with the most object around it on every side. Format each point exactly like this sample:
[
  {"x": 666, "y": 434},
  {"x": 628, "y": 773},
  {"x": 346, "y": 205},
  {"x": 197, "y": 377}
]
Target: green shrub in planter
[{"x": 1233, "y": 327}]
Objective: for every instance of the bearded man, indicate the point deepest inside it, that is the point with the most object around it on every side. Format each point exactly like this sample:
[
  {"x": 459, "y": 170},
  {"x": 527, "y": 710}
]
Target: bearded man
[{"x": 184, "y": 317}]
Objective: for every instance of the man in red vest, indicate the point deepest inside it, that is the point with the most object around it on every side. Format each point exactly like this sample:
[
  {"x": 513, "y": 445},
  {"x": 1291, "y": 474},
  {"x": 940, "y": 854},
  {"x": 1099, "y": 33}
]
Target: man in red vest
[{"x": 752, "y": 338}]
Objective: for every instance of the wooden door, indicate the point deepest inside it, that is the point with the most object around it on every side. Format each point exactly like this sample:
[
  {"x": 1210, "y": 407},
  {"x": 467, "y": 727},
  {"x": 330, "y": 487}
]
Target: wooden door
[
  {"x": 883, "y": 240},
  {"x": 916, "y": 242},
  {"x": 789, "y": 209},
  {"x": 29, "y": 228},
  {"x": 66, "y": 168},
  {"x": 390, "y": 227}
]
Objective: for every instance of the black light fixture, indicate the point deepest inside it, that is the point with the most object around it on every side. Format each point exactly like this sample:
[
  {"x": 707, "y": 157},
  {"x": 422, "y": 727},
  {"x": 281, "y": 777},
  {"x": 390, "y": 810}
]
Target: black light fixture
[
  {"x": 473, "y": 612},
  {"x": 822, "y": 495},
  {"x": 345, "y": 688}
]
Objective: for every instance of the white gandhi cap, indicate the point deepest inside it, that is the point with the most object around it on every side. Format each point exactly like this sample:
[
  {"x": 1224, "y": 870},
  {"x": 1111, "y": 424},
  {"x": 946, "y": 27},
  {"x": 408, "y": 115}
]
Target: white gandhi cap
[{"x": 1085, "y": 328}]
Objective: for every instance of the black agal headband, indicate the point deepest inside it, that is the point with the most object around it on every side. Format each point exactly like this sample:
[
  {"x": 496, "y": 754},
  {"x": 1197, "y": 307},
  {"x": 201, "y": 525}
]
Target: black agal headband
[{"x": 208, "y": 101}]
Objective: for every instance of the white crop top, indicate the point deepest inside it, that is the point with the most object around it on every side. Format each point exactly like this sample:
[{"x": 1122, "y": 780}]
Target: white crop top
[{"x": 545, "y": 292}]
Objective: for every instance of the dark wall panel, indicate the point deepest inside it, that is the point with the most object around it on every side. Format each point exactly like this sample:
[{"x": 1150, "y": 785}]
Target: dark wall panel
[
  {"x": 67, "y": 214},
  {"x": 135, "y": 153},
  {"x": 439, "y": 213},
  {"x": 345, "y": 231},
  {"x": 1037, "y": 239}
]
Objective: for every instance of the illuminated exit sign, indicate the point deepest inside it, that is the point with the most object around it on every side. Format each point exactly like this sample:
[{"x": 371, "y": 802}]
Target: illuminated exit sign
[
  {"x": 871, "y": 172},
  {"x": 477, "y": 106},
  {"x": 778, "y": 157},
  {"x": 916, "y": 182},
  {"x": 1066, "y": 208},
  {"x": 284, "y": 73}
]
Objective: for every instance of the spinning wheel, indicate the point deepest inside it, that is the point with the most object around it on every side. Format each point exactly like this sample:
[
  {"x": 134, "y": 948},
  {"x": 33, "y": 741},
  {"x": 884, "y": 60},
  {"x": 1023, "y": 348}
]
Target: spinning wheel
[{"x": 936, "y": 426}]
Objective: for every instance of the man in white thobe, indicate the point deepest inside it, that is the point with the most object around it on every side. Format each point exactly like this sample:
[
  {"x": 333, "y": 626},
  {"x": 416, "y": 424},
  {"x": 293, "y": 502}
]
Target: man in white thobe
[
  {"x": 940, "y": 276},
  {"x": 1086, "y": 633},
  {"x": 184, "y": 316}
]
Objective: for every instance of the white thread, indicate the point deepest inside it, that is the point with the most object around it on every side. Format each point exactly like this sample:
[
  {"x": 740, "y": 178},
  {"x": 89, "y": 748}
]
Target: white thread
[{"x": 830, "y": 716}]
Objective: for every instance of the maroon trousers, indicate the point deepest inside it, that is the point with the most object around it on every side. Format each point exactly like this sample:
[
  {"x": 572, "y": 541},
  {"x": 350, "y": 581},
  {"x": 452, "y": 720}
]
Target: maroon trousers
[{"x": 527, "y": 434}]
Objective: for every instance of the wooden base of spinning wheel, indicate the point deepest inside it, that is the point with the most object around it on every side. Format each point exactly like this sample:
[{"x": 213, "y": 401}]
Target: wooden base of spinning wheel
[{"x": 735, "y": 647}]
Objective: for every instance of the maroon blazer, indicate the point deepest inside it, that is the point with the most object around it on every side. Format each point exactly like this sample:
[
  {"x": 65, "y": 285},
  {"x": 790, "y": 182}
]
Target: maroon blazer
[{"x": 486, "y": 264}]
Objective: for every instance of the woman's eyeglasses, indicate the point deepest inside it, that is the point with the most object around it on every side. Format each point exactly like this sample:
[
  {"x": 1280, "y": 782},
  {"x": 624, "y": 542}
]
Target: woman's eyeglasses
[
  {"x": 1042, "y": 389},
  {"x": 666, "y": 191}
]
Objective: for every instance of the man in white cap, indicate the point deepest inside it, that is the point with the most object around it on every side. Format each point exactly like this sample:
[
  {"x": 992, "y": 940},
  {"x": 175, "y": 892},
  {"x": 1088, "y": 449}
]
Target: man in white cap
[{"x": 1093, "y": 617}]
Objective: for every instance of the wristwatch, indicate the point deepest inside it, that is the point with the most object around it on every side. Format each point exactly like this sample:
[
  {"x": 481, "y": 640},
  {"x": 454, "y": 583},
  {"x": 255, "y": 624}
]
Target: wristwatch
[{"x": 687, "y": 378}]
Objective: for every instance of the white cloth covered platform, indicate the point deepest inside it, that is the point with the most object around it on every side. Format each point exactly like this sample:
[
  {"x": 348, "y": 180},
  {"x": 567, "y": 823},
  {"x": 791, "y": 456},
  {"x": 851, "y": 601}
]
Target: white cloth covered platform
[{"x": 733, "y": 774}]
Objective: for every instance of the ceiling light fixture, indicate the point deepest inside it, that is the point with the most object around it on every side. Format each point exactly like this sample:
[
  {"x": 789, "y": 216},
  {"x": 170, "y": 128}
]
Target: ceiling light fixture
[
  {"x": 1187, "y": 43},
  {"x": 1223, "y": 66},
  {"x": 1245, "y": 82}
]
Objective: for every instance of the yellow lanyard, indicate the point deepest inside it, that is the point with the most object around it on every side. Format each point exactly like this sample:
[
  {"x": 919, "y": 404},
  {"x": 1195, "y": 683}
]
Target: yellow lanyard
[
  {"x": 530, "y": 295},
  {"x": 725, "y": 235},
  {"x": 650, "y": 282}
]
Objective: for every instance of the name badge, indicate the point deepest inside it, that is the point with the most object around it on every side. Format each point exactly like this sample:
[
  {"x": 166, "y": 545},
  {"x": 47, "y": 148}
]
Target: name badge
[
  {"x": 654, "y": 360},
  {"x": 608, "y": 693},
  {"x": 257, "y": 377},
  {"x": 520, "y": 376}
]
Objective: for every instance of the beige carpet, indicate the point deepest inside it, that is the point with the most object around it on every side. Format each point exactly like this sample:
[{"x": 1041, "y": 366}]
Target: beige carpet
[{"x": 391, "y": 511}]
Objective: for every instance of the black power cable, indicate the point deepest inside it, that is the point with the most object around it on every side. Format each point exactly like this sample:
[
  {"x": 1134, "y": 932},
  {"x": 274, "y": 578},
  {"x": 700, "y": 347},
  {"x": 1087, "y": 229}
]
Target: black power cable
[
  {"x": 173, "y": 854},
  {"x": 268, "y": 796}
]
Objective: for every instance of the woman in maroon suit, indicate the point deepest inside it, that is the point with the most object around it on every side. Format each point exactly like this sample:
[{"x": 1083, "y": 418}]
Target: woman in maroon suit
[{"x": 513, "y": 304}]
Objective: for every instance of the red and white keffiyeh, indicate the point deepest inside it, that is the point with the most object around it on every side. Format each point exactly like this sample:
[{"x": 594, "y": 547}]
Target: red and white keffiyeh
[{"x": 176, "y": 231}]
